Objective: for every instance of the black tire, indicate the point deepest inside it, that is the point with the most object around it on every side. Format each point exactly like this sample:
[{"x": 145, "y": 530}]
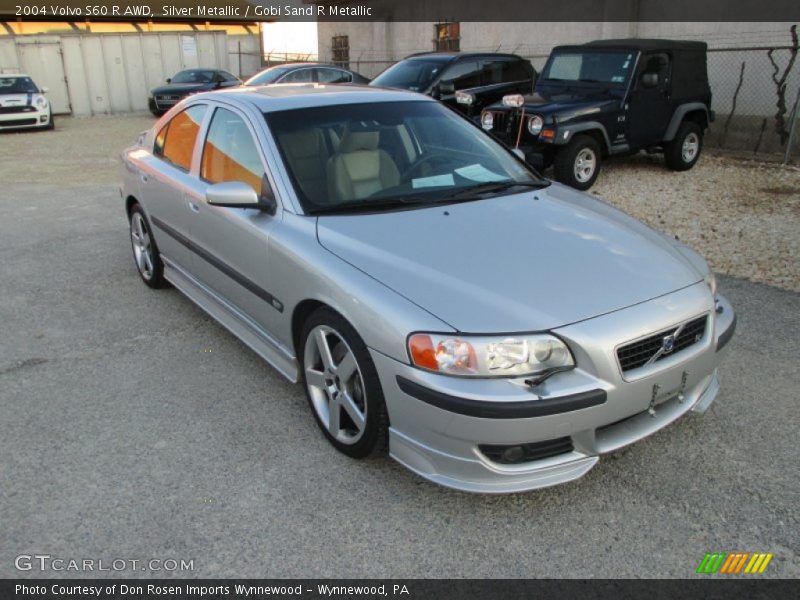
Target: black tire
[
  {"x": 51, "y": 123},
  {"x": 157, "y": 113},
  {"x": 153, "y": 276},
  {"x": 374, "y": 434},
  {"x": 566, "y": 169},
  {"x": 674, "y": 155}
]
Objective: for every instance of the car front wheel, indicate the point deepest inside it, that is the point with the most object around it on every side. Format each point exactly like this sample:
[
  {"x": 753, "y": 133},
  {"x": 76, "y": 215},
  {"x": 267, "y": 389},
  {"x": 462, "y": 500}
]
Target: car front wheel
[
  {"x": 342, "y": 385},
  {"x": 145, "y": 252},
  {"x": 682, "y": 152},
  {"x": 578, "y": 163}
]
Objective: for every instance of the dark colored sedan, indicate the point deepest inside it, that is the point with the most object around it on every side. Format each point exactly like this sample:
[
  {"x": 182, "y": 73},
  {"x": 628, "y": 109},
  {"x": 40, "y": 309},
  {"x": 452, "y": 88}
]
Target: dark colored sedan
[
  {"x": 306, "y": 73},
  {"x": 188, "y": 82}
]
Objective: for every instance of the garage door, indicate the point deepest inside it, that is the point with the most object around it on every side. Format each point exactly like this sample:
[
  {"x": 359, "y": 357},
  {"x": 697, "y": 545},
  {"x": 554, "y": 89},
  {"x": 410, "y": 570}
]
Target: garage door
[{"x": 42, "y": 61}]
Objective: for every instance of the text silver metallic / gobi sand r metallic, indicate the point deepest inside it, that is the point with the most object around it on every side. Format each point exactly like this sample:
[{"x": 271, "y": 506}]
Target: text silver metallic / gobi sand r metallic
[{"x": 428, "y": 288}]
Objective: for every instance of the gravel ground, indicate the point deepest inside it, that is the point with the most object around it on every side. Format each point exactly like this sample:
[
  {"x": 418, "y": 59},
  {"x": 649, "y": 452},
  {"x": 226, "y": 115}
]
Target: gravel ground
[{"x": 742, "y": 215}]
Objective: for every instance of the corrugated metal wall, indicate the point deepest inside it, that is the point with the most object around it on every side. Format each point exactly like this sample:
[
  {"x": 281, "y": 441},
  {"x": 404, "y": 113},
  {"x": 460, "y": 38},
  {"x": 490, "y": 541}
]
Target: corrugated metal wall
[{"x": 107, "y": 73}]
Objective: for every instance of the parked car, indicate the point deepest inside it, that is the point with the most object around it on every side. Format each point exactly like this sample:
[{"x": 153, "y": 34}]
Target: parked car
[
  {"x": 306, "y": 73},
  {"x": 611, "y": 97},
  {"x": 23, "y": 104},
  {"x": 188, "y": 82},
  {"x": 486, "y": 77},
  {"x": 428, "y": 288}
]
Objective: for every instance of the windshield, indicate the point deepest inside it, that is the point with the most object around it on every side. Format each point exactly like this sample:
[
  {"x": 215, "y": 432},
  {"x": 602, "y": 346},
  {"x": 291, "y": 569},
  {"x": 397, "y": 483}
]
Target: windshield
[
  {"x": 415, "y": 74},
  {"x": 193, "y": 76},
  {"x": 17, "y": 85},
  {"x": 388, "y": 155},
  {"x": 589, "y": 67},
  {"x": 267, "y": 76}
]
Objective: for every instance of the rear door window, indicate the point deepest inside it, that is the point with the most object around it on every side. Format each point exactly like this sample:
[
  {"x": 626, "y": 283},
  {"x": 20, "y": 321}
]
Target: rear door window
[
  {"x": 175, "y": 142},
  {"x": 332, "y": 76},
  {"x": 464, "y": 74}
]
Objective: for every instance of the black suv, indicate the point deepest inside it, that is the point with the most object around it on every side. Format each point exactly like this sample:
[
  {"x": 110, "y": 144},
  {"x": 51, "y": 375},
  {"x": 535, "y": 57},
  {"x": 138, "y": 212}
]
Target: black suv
[
  {"x": 486, "y": 77},
  {"x": 606, "y": 98}
]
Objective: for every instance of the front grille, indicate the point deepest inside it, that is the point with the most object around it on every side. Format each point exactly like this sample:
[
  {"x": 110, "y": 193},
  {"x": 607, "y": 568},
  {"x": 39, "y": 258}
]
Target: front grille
[
  {"x": 20, "y": 108},
  {"x": 521, "y": 453},
  {"x": 637, "y": 354},
  {"x": 18, "y": 122}
]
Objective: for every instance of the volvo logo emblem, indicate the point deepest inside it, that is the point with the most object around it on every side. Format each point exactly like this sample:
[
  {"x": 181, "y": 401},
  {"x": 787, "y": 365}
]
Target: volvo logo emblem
[{"x": 668, "y": 344}]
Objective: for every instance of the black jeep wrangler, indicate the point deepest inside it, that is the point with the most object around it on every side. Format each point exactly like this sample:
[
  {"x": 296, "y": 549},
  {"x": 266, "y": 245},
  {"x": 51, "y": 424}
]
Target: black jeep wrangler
[
  {"x": 486, "y": 76},
  {"x": 610, "y": 97}
]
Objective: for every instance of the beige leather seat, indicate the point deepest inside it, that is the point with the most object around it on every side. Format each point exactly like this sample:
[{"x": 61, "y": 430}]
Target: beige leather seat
[
  {"x": 360, "y": 168},
  {"x": 308, "y": 155}
]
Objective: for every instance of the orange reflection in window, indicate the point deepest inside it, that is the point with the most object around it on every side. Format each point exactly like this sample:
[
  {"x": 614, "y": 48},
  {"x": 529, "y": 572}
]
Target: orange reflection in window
[
  {"x": 179, "y": 145},
  {"x": 219, "y": 166}
]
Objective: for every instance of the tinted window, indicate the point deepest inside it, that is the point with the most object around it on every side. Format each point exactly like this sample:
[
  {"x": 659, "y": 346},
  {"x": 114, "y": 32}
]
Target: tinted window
[
  {"x": 17, "y": 85},
  {"x": 464, "y": 74},
  {"x": 415, "y": 74},
  {"x": 268, "y": 76},
  {"x": 502, "y": 70},
  {"x": 194, "y": 76},
  {"x": 589, "y": 67},
  {"x": 298, "y": 76},
  {"x": 175, "y": 141},
  {"x": 332, "y": 76},
  {"x": 229, "y": 76},
  {"x": 230, "y": 153}
]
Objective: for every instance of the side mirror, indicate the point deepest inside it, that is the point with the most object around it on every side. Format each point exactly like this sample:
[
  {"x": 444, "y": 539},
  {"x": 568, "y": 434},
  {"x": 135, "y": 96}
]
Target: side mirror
[
  {"x": 447, "y": 87},
  {"x": 237, "y": 194},
  {"x": 169, "y": 79},
  {"x": 45, "y": 89},
  {"x": 649, "y": 80}
]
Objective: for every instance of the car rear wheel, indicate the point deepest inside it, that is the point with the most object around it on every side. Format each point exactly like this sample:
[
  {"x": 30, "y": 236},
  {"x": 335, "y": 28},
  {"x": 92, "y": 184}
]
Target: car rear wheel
[
  {"x": 682, "y": 153},
  {"x": 342, "y": 385},
  {"x": 578, "y": 163},
  {"x": 145, "y": 252}
]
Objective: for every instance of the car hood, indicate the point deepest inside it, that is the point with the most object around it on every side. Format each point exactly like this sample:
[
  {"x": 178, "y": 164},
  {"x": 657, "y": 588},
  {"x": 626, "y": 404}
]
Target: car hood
[
  {"x": 524, "y": 262},
  {"x": 181, "y": 88},
  {"x": 567, "y": 105}
]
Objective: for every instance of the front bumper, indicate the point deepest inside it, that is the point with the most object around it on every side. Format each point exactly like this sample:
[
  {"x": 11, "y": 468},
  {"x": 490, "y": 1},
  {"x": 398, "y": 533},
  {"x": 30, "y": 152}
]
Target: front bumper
[
  {"x": 26, "y": 117},
  {"x": 442, "y": 426}
]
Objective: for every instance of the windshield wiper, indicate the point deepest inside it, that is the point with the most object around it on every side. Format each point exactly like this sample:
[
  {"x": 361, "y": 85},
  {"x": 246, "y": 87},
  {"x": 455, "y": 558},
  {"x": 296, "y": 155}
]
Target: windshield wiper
[
  {"x": 472, "y": 192},
  {"x": 356, "y": 206}
]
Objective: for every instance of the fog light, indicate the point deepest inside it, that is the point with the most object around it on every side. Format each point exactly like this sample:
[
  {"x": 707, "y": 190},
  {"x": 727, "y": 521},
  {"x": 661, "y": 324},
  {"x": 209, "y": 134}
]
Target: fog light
[
  {"x": 43, "y": 118},
  {"x": 513, "y": 454}
]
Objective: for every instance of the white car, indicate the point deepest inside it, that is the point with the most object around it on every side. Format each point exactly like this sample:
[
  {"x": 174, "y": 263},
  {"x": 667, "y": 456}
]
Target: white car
[{"x": 23, "y": 104}]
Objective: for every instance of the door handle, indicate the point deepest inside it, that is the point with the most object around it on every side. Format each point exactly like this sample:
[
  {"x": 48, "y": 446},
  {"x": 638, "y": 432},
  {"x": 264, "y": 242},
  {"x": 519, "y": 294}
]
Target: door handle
[{"x": 193, "y": 207}]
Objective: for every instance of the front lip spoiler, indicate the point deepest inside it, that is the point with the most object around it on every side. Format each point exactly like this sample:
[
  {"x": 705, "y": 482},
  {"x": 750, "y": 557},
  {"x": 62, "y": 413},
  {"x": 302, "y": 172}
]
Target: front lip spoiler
[{"x": 484, "y": 409}]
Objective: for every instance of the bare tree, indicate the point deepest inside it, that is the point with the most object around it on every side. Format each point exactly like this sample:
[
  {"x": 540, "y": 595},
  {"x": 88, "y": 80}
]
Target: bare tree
[{"x": 780, "y": 85}]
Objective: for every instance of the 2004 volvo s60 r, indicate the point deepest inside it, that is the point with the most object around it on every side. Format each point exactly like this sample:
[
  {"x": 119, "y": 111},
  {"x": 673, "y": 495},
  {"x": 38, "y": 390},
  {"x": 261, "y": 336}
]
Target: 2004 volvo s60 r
[{"x": 428, "y": 289}]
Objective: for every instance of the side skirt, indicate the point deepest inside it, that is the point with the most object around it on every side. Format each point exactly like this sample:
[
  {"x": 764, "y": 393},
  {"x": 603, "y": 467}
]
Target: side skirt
[{"x": 233, "y": 320}]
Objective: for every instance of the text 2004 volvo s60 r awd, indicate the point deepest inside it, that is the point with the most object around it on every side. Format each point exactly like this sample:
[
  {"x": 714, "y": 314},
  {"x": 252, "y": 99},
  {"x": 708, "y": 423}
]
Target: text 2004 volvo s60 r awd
[{"x": 429, "y": 289}]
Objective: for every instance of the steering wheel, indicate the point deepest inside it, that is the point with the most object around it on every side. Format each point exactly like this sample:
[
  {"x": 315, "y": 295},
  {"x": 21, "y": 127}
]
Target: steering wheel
[{"x": 424, "y": 160}]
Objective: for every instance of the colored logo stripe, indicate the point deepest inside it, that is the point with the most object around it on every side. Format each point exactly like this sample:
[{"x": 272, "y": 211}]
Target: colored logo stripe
[{"x": 734, "y": 563}]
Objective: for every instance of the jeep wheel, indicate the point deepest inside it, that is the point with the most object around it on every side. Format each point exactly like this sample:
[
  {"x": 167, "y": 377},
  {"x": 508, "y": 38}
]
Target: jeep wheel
[
  {"x": 683, "y": 151},
  {"x": 578, "y": 163}
]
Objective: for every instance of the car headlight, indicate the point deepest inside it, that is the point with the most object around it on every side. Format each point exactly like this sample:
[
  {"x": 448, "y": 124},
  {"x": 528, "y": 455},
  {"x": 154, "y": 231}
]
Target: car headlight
[
  {"x": 711, "y": 282},
  {"x": 40, "y": 101},
  {"x": 535, "y": 124},
  {"x": 488, "y": 356},
  {"x": 487, "y": 120}
]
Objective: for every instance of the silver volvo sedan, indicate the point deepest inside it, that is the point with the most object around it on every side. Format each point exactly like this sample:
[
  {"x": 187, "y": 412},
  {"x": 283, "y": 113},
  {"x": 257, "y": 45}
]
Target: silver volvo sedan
[{"x": 430, "y": 290}]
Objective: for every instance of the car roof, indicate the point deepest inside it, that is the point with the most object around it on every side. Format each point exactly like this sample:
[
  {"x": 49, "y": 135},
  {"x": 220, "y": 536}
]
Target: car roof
[
  {"x": 285, "y": 96},
  {"x": 643, "y": 44},
  {"x": 15, "y": 75},
  {"x": 455, "y": 55}
]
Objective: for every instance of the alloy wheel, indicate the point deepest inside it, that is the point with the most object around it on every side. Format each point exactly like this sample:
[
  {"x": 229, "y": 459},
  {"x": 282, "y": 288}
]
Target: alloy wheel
[
  {"x": 142, "y": 246},
  {"x": 335, "y": 384},
  {"x": 690, "y": 147},
  {"x": 585, "y": 164}
]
